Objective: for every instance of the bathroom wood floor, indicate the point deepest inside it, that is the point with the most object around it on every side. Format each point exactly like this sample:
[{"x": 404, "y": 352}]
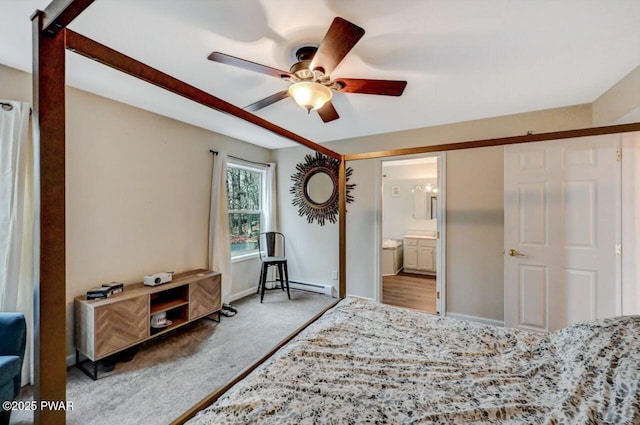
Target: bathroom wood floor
[{"x": 411, "y": 291}]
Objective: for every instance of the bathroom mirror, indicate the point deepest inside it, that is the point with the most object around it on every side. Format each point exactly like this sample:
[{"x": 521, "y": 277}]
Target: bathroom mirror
[
  {"x": 315, "y": 188},
  {"x": 420, "y": 204},
  {"x": 424, "y": 194}
]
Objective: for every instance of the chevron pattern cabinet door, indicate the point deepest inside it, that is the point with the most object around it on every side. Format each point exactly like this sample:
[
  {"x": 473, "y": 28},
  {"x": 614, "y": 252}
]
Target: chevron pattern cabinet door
[
  {"x": 120, "y": 324},
  {"x": 204, "y": 297}
]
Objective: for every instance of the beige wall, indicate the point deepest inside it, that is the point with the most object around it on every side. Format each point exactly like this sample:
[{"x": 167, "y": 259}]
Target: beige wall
[
  {"x": 312, "y": 250},
  {"x": 475, "y": 201},
  {"x": 509, "y": 125},
  {"x": 475, "y": 233},
  {"x": 619, "y": 104},
  {"x": 474, "y": 209},
  {"x": 15, "y": 84},
  {"x": 138, "y": 191}
]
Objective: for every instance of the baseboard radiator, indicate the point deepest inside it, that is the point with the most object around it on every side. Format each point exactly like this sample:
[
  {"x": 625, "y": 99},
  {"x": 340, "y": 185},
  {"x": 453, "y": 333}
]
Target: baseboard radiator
[{"x": 312, "y": 287}]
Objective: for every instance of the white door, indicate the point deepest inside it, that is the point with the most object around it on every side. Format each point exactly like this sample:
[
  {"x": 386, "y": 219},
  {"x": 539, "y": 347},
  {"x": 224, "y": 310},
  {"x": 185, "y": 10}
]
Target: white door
[{"x": 562, "y": 230}]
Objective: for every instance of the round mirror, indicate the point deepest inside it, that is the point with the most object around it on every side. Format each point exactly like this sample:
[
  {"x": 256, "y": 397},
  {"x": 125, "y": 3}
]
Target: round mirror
[
  {"x": 319, "y": 187},
  {"x": 315, "y": 188}
]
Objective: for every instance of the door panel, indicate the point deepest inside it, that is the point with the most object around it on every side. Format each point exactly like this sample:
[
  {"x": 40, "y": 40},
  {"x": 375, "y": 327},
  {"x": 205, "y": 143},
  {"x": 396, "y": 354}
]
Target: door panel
[
  {"x": 533, "y": 297},
  {"x": 563, "y": 221},
  {"x": 532, "y": 210},
  {"x": 580, "y": 210},
  {"x": 581, "y": 296}
]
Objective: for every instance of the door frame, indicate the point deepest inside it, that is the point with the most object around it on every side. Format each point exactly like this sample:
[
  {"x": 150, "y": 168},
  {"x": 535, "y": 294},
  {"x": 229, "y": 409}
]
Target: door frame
[
  {"x": 630, "y": 204},
  {"x": 441, "y": 244}
]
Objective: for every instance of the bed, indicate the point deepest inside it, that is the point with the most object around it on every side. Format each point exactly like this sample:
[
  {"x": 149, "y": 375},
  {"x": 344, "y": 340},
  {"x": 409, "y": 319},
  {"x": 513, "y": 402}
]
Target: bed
[
  {"x": 365, "y": 362},
  {"x": 51, "y": 38}
]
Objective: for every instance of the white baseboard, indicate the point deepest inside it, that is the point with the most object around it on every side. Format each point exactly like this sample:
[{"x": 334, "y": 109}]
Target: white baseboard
[
  {"x": 360, "y": 296},
  {"x": 305, "y": 286},
  {"x": 312, "y": 287},
  {"x": 476, "y": 319}
]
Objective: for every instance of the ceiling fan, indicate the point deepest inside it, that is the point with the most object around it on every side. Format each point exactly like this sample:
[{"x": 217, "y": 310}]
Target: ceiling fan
[{"x": 312, "y": 87}]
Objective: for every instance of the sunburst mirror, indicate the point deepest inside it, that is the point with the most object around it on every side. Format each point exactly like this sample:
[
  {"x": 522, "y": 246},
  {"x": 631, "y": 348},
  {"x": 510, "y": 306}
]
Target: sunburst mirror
[{"x": 315, "y": 188}]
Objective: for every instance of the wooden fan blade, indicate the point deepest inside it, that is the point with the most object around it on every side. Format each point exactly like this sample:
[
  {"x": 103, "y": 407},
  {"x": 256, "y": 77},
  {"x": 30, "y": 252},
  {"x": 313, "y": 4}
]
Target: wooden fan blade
[
  {"x": 383, "y": 87},
  {"x": 328, "y": 112},
  {"x": 267, "y": 101},
  {"x": 248, "y": 65},
  {"x": 339, "y": 40}
]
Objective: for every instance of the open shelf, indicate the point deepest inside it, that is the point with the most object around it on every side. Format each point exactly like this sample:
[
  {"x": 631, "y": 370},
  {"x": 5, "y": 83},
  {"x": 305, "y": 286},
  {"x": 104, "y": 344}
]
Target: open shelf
[
  {"x": 176, "y": 309},
  {"x": 167, "y": 305},
  {"x": 168, "y": 299}
]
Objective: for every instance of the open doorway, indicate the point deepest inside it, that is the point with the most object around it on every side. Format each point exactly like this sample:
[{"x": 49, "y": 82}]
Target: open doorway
[{"x": 412, "y": 232}]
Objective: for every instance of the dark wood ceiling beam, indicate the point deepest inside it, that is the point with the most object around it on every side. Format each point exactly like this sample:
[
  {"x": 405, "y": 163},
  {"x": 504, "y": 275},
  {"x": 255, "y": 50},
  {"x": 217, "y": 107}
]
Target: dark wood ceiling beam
[
  {"x": 541, "y": 137},
  {"x": 60, "y": 13},
  {"x": 107, "y": 56}
]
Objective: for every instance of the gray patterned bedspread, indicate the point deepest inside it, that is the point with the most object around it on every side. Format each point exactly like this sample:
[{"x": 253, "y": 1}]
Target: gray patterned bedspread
[{"x": 365, "y": 362}]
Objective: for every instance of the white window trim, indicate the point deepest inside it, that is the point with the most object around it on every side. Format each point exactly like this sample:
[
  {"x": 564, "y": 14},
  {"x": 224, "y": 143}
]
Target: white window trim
[
  {"x": 236, "y": 163},
  {"x": 245, "y": 257}
]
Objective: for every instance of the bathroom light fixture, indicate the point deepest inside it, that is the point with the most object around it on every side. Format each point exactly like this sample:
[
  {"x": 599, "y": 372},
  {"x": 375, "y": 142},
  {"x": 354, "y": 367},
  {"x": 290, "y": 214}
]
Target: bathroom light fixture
[
  {"x": 428, "y": 188},
  {"x": 310, "y": 95}
]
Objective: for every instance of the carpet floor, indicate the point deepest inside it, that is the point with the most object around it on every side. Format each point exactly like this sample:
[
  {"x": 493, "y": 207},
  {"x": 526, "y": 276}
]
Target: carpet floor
[{"x": 167, "y": 376}]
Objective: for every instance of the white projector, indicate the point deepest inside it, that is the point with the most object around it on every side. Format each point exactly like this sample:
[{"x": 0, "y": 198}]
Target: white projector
[{"x": 158, "y": 278}]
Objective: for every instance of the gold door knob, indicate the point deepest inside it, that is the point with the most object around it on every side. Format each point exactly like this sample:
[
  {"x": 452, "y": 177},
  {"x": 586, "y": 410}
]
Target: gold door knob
[{"x": 512, "y": 252}]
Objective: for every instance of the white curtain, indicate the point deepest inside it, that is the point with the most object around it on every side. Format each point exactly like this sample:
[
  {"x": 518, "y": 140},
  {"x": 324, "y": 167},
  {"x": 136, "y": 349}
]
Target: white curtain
[
  {"x": 19, "y": 225},
  {"x": 270, "y": 218},
  {"x": 219, "y": 247}
]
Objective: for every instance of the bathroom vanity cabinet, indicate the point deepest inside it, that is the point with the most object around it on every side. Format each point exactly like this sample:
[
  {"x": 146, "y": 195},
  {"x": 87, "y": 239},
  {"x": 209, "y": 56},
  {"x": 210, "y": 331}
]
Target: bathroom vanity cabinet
[{"x": 420, "y": 254}]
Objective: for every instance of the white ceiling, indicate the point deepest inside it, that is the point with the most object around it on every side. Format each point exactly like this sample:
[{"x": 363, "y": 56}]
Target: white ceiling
[{"x": 463, "y": 59}]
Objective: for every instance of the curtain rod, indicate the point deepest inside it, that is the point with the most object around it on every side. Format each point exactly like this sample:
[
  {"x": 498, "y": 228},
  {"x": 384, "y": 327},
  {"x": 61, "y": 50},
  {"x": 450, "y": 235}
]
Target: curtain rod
[{"x": 241, "y": 159}]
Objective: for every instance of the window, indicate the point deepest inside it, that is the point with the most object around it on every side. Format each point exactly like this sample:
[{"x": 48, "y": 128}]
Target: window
[{"x": 245, "y": 188}]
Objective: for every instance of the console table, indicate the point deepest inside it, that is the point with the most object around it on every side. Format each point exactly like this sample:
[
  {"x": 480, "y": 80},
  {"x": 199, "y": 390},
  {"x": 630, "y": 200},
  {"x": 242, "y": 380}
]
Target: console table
[{"x": 109, "y": 325}]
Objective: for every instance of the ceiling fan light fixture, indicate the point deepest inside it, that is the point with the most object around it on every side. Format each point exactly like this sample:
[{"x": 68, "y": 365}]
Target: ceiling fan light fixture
[{"x": 310, "y": 95}]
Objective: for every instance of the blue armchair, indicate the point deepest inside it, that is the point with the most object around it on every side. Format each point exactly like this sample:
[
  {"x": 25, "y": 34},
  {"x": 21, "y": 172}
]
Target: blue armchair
[{"x": 13, "y": 337}]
